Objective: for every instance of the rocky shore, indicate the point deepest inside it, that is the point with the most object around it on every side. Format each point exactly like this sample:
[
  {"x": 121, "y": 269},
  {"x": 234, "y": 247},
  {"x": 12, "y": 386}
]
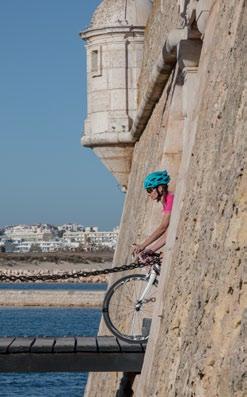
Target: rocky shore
[{"x": 56, "y": 264}]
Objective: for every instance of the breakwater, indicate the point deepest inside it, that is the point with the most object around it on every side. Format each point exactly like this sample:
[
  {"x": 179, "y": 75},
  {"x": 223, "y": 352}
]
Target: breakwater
[
  {"x": 49, "y": 298},
  {"x": 37, "y": 273}
]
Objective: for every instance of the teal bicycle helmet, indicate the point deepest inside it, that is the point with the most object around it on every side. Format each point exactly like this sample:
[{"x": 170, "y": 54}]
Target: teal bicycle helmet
[{"x": 156, "y": 179}]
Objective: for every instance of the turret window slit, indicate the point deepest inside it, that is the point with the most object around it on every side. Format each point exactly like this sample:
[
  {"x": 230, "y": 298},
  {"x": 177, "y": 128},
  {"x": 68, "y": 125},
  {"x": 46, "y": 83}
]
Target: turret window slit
[{"x": 96, "y": 62}]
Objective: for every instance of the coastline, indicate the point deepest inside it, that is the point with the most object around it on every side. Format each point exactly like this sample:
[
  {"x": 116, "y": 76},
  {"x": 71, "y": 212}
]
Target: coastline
[
  {"x": 28, "y": 271},
  {"x": 56, "y": 263}
]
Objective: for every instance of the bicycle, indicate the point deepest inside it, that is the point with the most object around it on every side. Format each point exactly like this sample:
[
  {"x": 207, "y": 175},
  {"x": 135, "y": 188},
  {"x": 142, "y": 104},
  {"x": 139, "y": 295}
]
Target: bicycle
[{"x": 128, "y": 304}]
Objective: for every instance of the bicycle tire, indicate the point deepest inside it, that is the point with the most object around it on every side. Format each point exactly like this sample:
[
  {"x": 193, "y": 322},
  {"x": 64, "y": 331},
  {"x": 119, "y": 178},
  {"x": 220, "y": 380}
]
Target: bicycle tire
[{"x": 119, "y": 312}]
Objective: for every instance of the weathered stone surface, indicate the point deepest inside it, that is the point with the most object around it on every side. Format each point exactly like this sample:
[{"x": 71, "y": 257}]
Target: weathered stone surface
[
  {"x": 159, "y": 25},
  {"x": 197, "y": 346}
]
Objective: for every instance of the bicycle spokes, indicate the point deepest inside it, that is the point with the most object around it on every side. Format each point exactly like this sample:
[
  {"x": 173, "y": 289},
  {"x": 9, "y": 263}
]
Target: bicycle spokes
[{"x": 128, "y": 303}]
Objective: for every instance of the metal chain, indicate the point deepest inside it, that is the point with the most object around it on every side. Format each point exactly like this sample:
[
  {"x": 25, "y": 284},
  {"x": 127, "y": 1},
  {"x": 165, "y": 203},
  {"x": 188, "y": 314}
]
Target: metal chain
[{"x": 74, "y": 275}]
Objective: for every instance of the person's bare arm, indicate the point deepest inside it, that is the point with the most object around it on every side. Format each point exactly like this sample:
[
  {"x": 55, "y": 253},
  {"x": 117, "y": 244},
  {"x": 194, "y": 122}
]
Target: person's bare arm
[
  {"x": 160, "y": 231},
  {"x": 157, "y": 244}
]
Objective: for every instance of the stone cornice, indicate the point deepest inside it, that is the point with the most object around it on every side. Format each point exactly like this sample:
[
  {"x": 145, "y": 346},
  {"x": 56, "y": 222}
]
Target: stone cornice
[
  {"x": 86, "y": 34},
  {"x": 107, "y": 139}
]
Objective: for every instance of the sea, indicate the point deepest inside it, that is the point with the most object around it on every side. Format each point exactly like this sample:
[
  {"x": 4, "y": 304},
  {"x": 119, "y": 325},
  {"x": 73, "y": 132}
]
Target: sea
[{"x": 47, "y": 322}]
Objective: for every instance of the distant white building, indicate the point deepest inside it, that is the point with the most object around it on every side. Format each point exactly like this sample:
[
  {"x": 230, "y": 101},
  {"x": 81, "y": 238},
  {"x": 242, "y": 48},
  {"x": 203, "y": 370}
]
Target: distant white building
[
  {"x": 29, "y": 232},
  {"x": 70, "y": 227},
  {"x": 50, "y": 246},
  {"x": 24, "y": 238},
  {"x": 90, "y": 229},
  {"x": 22, "y": 246},
  {"x": 78, "y": 237},
  {"x": 43, "y": 246},
  {"x": 103, "y": 239}
]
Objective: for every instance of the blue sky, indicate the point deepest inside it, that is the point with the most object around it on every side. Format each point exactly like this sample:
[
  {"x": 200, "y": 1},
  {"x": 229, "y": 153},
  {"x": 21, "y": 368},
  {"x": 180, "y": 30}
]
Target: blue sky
[{"x": 46, "y": 176}]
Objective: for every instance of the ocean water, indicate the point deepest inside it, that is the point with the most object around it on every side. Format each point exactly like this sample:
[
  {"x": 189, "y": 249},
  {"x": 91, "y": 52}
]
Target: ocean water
[{"x": 46, "y": 322}]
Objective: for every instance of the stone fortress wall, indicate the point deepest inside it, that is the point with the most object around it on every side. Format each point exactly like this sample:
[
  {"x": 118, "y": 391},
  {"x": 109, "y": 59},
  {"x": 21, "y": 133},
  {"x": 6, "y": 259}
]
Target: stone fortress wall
[{"x": 197, "y": 130}]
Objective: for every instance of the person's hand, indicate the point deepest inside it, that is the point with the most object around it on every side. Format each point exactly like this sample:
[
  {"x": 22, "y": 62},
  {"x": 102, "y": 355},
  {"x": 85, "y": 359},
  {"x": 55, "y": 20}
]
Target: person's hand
[
  {"x": 136, "y": 248},
  {"x": 148, "y": 252},
  {"x": 145, "y": 255}
]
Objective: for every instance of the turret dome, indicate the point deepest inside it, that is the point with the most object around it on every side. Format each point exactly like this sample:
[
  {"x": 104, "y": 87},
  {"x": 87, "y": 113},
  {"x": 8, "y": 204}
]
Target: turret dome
[{"x": 112, "y": 13}]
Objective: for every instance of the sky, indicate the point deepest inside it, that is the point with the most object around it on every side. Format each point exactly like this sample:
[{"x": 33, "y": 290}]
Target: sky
[{"x": 46, "y": 175}]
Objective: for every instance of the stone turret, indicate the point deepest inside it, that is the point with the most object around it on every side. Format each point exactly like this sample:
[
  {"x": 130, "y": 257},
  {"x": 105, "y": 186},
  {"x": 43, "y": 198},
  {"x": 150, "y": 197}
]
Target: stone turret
[{"x": 114, "y": 43}]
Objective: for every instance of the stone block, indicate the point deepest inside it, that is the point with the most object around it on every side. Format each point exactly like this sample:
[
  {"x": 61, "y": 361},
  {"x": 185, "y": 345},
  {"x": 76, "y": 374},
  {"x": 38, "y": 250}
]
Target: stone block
[
  {"x": 97, "y": 83},
  {"x": 117, "y": 58},
  {"x": 99, "y": 122},
  {"x": 99, "y": 101},
  {"x": 118, "y": 99},
  {"x": 117, "y": 78}
]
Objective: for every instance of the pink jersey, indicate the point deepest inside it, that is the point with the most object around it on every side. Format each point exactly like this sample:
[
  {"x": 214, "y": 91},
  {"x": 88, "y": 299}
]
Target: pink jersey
[{"x": 168, "y": 202}]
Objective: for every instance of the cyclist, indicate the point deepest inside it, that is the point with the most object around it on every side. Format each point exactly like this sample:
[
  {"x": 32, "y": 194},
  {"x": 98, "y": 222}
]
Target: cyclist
[{"x": 156, "y": 185}]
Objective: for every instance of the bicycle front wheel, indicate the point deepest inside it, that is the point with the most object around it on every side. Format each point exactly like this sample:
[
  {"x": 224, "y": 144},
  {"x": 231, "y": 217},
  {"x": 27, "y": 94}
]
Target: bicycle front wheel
[{"x": 123, "y": 312}]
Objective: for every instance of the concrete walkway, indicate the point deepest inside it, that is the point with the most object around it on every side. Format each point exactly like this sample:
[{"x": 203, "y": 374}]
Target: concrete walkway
[{"x": 9, "y": 297}]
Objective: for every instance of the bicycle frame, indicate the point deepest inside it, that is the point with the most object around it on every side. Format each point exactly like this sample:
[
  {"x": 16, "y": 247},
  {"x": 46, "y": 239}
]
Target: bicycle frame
[{"x": 152, "y": 275}]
